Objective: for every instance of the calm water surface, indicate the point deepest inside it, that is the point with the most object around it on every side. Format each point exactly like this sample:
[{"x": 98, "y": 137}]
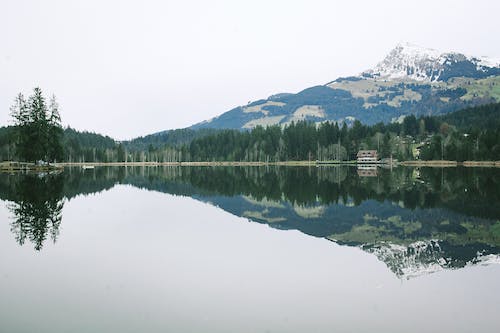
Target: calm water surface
[{"x": 250, "y": 250}]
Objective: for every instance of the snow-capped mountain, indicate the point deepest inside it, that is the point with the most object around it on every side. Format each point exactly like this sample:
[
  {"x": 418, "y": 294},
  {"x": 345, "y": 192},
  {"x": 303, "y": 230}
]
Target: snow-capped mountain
[
  {"x": 426, "y": 257},
  {"x": 409, "y": 61},
  {"x": 409, "y": 80}
]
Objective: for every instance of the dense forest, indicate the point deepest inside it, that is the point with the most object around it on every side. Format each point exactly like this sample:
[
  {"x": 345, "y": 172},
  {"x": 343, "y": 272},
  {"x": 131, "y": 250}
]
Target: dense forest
[
  {"x": 176, "y": 138},
  {"x": 469, "y": 134}
]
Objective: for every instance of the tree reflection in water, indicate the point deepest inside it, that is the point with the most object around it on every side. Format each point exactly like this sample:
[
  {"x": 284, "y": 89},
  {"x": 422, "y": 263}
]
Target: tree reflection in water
[
  {"x": 415, "y": 220},
  {"x": 37, "y": 208}
]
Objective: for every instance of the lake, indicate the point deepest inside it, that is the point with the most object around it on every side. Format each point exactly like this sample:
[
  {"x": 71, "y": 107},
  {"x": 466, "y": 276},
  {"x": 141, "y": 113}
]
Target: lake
[{"x": 250, "y": 249}]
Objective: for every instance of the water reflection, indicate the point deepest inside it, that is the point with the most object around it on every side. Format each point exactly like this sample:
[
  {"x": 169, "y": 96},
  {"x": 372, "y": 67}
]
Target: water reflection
[
  {"x": 415, "y": 220},
  {"x": 36, "y": 205}
]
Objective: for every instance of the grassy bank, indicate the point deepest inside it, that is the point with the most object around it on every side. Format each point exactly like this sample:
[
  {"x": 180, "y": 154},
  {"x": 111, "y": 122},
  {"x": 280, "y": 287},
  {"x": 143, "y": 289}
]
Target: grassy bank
[
  {"x": 440, "y": 164},
  {"x": 218, "y": 163},
  {"x": 213, "y": 163},
  {"x": 289, "y": 163},
  {"x": 18, "y": 166}
]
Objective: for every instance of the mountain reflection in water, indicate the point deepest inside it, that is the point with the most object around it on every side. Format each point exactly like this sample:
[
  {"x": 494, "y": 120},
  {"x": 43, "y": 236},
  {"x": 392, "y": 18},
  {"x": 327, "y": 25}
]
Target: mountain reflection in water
[{"x": 417, "y": 221}]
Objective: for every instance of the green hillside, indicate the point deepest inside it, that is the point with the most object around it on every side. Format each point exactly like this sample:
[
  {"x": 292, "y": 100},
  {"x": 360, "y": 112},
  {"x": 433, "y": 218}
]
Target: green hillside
[{"x": 365, "y": 99}]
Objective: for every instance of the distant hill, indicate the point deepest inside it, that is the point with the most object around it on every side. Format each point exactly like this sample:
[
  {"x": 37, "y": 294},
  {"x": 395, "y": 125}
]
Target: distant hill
[{"x": 409, "y": 80}]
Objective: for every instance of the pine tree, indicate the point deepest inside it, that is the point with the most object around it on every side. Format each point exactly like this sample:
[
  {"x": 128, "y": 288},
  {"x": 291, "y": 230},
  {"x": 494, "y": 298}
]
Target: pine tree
[
  {"x": 20, "y": 114},
  {"x": 55, "y": 132},
  {"x": 39, "y": 134},
  {"x": 39, "y": 125},
  {"x": 121, "y": 153}
]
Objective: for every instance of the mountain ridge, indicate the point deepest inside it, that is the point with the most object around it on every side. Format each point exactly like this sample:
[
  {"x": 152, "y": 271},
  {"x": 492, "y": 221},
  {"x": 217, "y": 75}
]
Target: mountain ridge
[{"x": 409, "y": 80}]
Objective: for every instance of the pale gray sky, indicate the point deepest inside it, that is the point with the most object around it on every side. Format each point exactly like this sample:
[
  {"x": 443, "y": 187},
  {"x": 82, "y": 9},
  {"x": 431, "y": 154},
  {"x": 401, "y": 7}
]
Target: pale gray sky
[{"x": 129, "y": 68}]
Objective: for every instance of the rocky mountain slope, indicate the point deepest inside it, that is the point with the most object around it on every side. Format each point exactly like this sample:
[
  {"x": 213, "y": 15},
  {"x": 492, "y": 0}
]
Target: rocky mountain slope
[{"x": 409, "y": 80}]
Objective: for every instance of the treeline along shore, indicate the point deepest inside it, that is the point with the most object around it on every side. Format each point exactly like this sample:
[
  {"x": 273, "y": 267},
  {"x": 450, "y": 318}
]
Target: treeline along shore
[{"x": 466, "y": 137}]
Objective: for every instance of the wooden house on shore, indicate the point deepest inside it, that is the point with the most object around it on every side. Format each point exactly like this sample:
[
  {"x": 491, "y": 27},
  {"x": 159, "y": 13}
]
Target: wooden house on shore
[{"x": 367, "y": 156}]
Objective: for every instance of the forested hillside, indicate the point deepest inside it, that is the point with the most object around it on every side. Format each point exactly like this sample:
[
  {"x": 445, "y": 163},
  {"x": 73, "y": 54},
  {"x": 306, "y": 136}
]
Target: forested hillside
[
  {"x": 87, "y": 146},
  {"x": 177, "y": 137},
  {"x": 480, "y": 117},
  {"x": 464, "y": 136}
]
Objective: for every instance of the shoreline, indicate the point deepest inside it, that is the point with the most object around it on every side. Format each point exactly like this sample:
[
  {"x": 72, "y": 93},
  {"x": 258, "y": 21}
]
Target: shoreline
[
  {"x": 30, "y": 167},
  {"x": 439, "y": 163},
  {"x": 433, "y": 163}
]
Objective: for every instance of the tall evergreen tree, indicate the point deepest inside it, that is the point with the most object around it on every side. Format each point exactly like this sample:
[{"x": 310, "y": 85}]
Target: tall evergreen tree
[
  {"x": 21, "y": 116},
  {"x": 39, "y": 126},
  {"x": 39, "y": 133},
  {"x": 55, "y": 132}
]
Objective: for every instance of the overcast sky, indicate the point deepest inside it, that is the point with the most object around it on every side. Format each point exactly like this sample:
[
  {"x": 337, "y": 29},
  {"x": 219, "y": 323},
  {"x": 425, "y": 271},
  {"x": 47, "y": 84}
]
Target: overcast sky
[{"x": 130, "y": 68}]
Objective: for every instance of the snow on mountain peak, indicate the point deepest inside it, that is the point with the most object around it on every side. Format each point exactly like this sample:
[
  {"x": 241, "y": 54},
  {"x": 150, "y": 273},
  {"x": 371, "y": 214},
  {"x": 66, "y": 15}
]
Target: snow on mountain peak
[
  {"x": 489, "y": 62},
  {"x": 410, "y": 61},
  {"x": 415, "y": 51}
]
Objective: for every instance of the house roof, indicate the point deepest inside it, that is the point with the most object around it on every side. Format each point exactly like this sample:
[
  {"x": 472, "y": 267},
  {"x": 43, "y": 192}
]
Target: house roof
[{"x": 367, "y": 153}]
